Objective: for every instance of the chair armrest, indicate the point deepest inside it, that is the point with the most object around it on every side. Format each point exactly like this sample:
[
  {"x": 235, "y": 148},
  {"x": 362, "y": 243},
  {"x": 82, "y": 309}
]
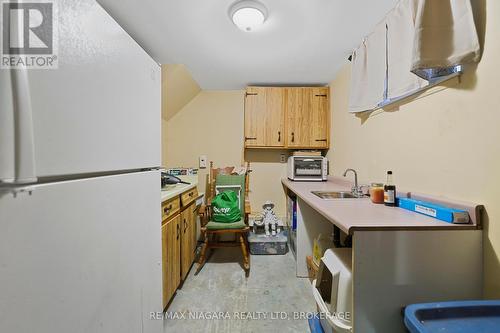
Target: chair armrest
[
  {"x": 204, "y": 214},
  {"x": 248, "y": 207}
]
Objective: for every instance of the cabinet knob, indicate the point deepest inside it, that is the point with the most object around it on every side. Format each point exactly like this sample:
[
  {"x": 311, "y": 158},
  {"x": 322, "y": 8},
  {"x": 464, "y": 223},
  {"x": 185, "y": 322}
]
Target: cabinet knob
[{"x": 167, "y": 209}]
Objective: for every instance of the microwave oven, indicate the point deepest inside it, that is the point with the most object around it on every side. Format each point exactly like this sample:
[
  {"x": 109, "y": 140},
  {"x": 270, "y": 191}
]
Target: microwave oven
[{"x": 307, "y": 168}]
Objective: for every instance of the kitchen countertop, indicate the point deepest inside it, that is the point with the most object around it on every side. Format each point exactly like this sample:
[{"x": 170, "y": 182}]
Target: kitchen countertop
[
  {"x": 170, "y": 191},
  {"x": 361, "y": 214}
]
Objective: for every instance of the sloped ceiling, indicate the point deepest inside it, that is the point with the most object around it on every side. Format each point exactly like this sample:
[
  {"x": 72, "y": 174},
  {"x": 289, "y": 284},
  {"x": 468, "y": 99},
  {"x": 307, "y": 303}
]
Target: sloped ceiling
[
  {"x": 178, "y": 89},
  {"x": 302, "y": 41}
]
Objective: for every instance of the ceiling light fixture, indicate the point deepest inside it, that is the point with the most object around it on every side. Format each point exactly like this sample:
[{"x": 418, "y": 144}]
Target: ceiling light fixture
[{"x": 248, "y": 14}]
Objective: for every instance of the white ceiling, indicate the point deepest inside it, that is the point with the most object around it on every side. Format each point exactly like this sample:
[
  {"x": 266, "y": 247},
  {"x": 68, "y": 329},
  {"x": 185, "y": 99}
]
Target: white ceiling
[{"x": 302, "y": 41}]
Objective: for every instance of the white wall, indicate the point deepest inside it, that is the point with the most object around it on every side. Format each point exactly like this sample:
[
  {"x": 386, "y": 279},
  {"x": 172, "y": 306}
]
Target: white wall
[{"x": 212, "y": 124}]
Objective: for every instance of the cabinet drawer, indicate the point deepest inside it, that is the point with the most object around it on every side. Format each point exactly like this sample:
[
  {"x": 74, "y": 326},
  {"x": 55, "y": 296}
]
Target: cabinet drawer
[
  {"x": 189, "y": 196},
  {"x": 170, "y": 207}
]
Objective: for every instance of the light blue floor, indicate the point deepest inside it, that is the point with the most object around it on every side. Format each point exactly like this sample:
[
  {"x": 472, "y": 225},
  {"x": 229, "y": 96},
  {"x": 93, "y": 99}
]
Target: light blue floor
[{"x": 271, "y": 290}]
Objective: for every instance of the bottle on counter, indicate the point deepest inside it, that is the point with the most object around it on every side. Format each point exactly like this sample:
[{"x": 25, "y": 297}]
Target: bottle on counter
[{"x": 389, "y": 191}]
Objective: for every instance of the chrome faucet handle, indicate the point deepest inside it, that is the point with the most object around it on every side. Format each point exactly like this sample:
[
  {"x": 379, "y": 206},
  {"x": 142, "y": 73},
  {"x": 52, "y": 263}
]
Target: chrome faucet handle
[
  {"x": 355, "y": 189},
  {"x": 359, "y": 190}
]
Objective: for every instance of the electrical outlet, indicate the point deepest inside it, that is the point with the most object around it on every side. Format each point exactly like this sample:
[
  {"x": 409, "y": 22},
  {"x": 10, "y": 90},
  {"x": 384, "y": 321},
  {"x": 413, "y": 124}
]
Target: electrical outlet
[
  {"x": 203, "y": 161},
  {"x": 283, "y": 158}
]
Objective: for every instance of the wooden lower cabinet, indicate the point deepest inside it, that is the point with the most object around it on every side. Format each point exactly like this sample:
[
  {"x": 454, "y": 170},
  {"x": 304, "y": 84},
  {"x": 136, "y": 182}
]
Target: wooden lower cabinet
[
  {"x": 171, "y": 254},
  {"x": 188, "y": 241},
  {"x": 179, "y": 238}
]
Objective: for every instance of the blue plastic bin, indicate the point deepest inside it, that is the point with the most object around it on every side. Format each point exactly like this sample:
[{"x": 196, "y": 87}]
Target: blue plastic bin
[
  {"x": 454, "y": 317},
  {"x": 315, "y": 325}
]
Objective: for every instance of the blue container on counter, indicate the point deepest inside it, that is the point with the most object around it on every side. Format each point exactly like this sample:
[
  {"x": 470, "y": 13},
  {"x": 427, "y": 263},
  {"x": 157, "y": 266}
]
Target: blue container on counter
[{"x": 439, "y": 212}]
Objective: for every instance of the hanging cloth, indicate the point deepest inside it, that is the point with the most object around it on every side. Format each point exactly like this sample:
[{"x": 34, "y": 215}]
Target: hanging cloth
[
  {"x": 445, "y": 37},
  {"x": 400, "y": 31},
  {"x": 369, "y": 71}
]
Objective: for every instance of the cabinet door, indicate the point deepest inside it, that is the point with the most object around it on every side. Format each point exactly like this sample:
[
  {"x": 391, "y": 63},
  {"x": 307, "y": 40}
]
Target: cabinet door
[
  {"x": 264, "y": 117},
  {"x": 170, "y": 236},
  {"x": 275, "y": 117},
  {"x": 194, "y": 230},
  {"x": 298, "y": 106},
  {"x": 186, "y": 241},
  {"x": 308, "y": 117},
  {"x": 319, "y": 118}
]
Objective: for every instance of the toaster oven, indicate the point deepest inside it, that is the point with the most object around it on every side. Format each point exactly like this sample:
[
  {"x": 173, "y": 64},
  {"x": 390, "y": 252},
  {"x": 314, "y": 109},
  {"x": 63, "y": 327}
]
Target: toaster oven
[{"x": 307, "y": 168}]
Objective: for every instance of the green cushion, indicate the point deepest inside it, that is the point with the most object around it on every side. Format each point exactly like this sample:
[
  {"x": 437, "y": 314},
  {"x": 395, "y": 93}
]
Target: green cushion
[{"x": 221, "y": 225}]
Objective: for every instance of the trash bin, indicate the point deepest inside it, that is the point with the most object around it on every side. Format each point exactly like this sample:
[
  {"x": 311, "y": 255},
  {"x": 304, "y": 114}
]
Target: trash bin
[
  {"x": 456, "y": 317},
  {"x": 332, "y": 290}
]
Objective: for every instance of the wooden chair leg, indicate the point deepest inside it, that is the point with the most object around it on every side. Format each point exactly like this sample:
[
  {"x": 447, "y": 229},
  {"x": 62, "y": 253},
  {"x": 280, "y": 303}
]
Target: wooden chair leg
[
  {"x": 203, "y": 254},
  {"x": 210, "y": 250},
  {"x": 246, "y": 258}
]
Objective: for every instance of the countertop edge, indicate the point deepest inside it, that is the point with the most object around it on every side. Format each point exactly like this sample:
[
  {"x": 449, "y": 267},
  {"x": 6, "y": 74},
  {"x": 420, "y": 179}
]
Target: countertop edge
[
  {"x": 176, "y": 192},
  {"x": 351, "y": 229}
]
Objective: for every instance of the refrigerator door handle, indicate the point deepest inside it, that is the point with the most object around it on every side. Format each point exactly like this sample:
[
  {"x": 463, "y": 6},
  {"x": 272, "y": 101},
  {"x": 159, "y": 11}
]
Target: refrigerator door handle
[
  {"x": 23, "y": 128},
  {"x": 7, "y": 143}
]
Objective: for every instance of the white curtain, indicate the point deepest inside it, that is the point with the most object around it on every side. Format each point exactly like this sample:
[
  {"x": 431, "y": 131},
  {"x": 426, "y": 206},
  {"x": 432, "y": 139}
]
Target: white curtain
[
  {"x": 417, "y": 41},
  {"x": 401, "y": 29},
  {"x": 445, "y": 35},
  {"x": 368, "y": 71}
]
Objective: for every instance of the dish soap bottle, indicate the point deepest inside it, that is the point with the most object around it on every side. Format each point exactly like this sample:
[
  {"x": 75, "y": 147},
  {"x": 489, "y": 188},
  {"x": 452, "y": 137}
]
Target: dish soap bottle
[{"x": 389, "y": 191}]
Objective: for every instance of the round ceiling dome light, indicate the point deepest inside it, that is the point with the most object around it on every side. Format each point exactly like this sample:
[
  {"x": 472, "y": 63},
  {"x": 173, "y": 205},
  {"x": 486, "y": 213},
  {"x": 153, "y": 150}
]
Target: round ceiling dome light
[{"x": 248, "y": 14}]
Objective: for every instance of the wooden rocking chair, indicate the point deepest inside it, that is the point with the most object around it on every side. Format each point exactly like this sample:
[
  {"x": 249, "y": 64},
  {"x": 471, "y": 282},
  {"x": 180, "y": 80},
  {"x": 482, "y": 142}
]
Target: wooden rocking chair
[{"x": 211, "y": 230}]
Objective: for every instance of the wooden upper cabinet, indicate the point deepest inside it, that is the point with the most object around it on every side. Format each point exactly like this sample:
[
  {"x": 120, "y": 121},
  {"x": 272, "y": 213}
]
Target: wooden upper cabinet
[
  {"x": 308, "y": 117},
  {"x": 264, "y": 117},
  {"x": 298, "y": 107},
  {"x": 320, "y": 118},
  {"x": 291, "y": 117}
]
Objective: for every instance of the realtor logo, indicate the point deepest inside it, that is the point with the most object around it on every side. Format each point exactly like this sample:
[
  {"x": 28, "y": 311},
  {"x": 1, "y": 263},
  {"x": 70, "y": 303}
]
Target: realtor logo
[{"x": 29, "y": 34}]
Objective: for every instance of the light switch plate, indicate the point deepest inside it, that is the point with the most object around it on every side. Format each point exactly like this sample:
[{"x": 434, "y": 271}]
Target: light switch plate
[{"x": 203, "y": 161}]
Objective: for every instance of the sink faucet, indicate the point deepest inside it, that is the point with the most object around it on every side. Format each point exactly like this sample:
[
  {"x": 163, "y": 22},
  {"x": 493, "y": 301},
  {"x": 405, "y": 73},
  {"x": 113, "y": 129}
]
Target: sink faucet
[{"x": 356, "y": 190}]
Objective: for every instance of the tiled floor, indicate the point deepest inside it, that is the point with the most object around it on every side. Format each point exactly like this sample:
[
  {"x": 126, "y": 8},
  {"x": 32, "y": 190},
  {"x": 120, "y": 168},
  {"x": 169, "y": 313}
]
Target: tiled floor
[{"x": 271, "y": 290}]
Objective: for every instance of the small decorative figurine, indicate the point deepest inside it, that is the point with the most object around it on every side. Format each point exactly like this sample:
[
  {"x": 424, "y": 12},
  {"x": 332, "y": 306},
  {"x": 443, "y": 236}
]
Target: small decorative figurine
[{"x": 268, "y": 220}]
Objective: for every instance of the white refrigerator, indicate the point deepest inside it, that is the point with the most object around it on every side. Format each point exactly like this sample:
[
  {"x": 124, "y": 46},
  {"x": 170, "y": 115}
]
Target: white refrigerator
[{"x": 80, "y": 218}]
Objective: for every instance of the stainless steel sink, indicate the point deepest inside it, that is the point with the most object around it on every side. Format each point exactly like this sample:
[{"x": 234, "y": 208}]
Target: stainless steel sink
[{"x": 335, "y": 195}]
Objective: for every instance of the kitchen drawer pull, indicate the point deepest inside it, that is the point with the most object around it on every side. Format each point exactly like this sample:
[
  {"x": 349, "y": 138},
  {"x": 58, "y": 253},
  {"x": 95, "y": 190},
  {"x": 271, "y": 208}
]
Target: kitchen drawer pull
[
  {"x": 248, "y": 138},
  {"x": 293, "y": 137},
  {"x": 191, "y": 194},
  {"x": 321, "y": 95},
  {"x": 279, "y": 136},
  {"x": 166, "y": 210},
  {"x": 323, "y": 140}
]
